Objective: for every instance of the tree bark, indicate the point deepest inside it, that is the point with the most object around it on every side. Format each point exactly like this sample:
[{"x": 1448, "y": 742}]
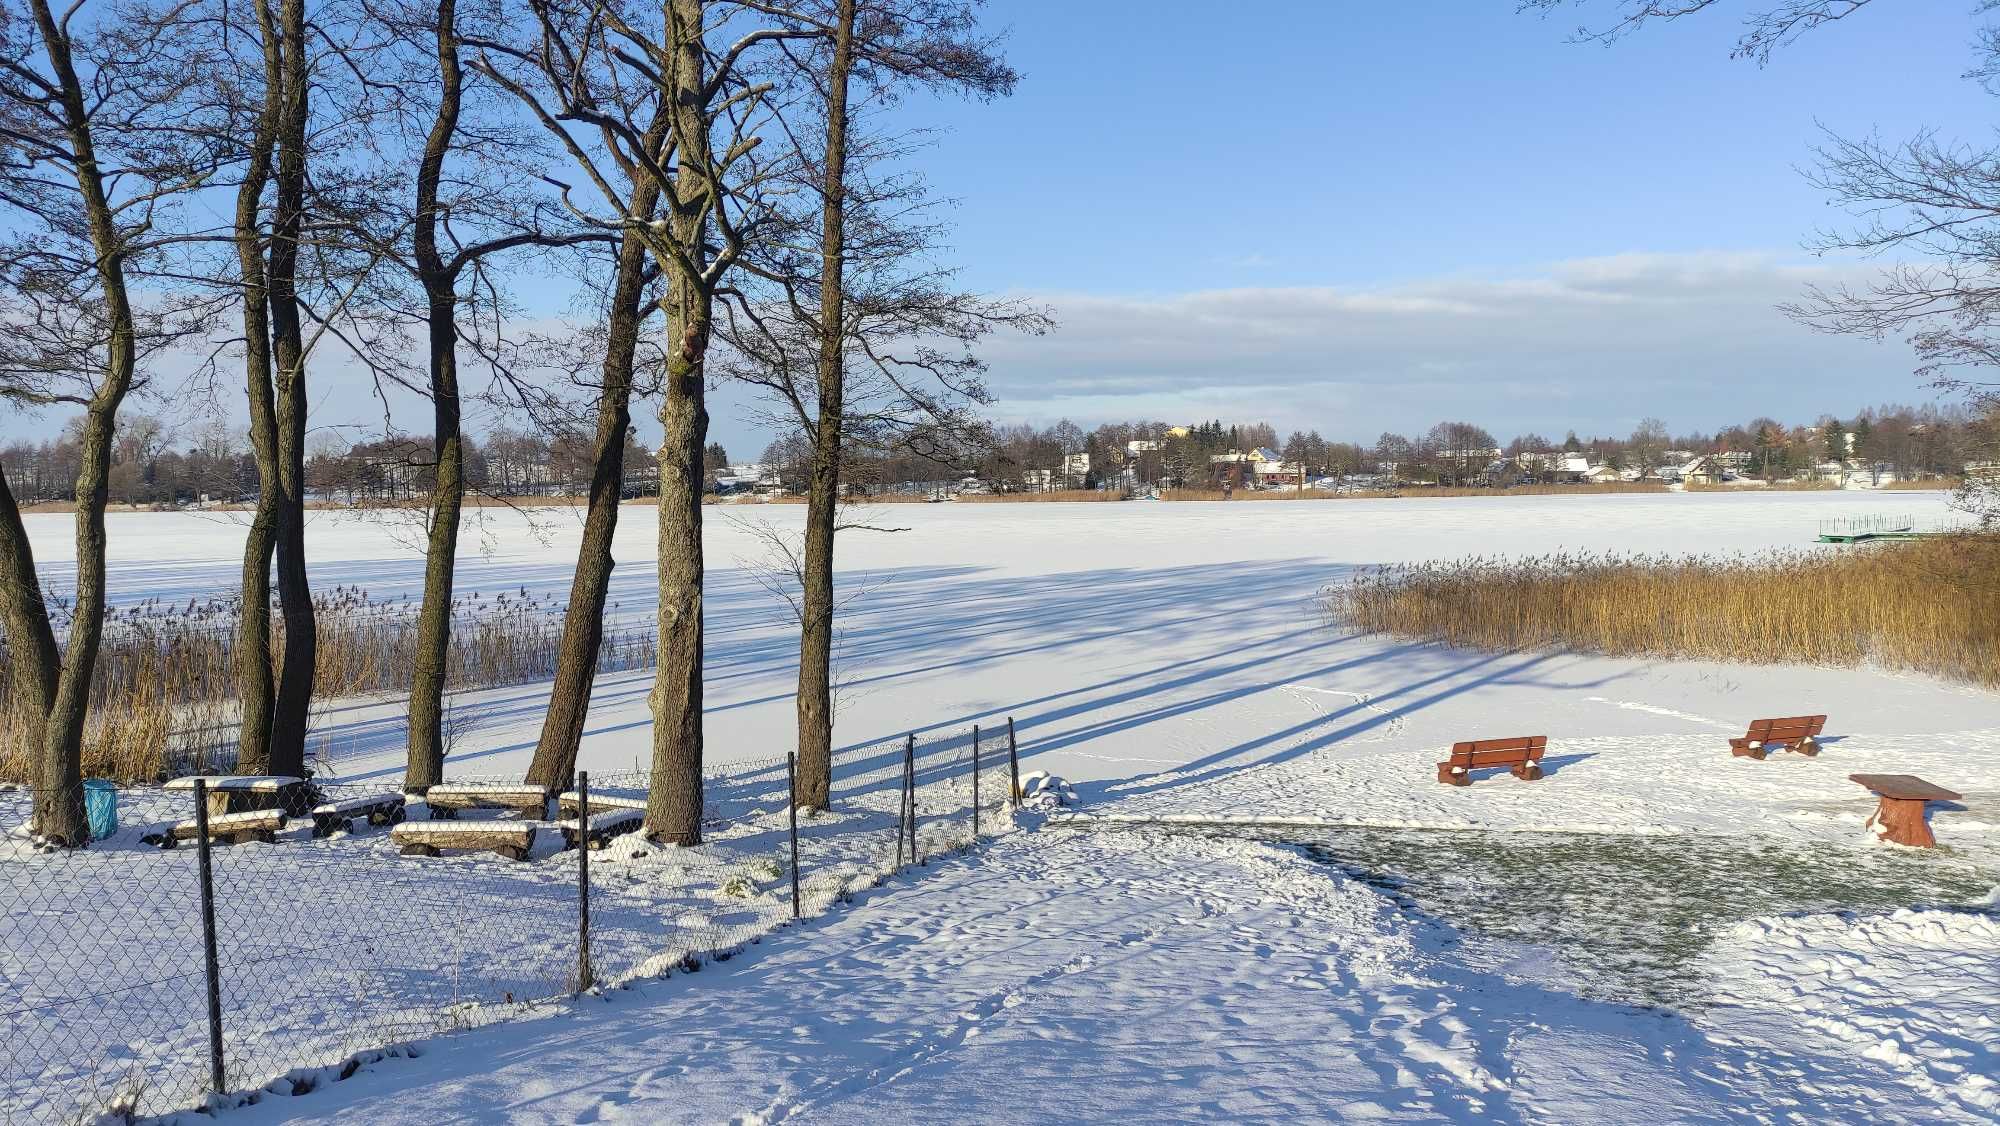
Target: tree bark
[
  {"x": 254, "y": 688},
  {"x": 583, "y": 618},
  {"x": 674, "y": 802},
  {"x": 425, "y": 766},
  {"x": 34, "y": 663},
  {"x": 815, "y": 690},
  {"x": 290, "y": 715}
]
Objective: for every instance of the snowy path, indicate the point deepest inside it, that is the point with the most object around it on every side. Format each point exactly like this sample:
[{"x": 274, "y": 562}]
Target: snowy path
[{"x": 1099, "y": 977}]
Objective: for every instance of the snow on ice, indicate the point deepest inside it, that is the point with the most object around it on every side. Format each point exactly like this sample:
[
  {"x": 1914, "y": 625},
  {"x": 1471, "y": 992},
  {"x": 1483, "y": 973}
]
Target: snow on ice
[{"x": 1248, "y": 898}]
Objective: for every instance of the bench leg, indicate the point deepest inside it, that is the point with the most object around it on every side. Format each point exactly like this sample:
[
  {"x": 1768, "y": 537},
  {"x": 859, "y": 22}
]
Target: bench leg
[
  {"x": 511, "y": 852},
  {"x": 1901, "y": 821},
  {"x": 419, "y": 850},
  {"x": 1528, "y": 772},
  {"x": 1806, "y": 747},
  {"x": 1742, "y": 749},
  {"x": 1453, "y": 778}
]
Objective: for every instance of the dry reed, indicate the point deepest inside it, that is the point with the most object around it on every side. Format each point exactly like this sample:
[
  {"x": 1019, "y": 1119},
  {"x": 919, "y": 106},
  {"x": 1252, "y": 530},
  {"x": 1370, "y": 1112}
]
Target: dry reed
[
  {"x": 1930, "y": 605},
  {"x": 1057, "y": 496},
  {"x": 1418, "y": 491},
  {"x": 163, "y": 697}
]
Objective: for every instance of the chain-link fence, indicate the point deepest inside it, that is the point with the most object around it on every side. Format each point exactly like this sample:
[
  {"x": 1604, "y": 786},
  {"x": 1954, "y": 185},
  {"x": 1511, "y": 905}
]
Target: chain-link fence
[{"x": 329, "y": 942}]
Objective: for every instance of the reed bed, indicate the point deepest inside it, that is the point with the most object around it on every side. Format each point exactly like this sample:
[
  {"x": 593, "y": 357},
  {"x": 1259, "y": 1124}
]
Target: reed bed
[
  {"x": 1418, "y": 491},
  {"x": 1057, "y": 496},
  {"x": 1936, "y": 485},
  {"x": 1749, "y": 486},
  {"x": 164, "y": 700},
  {"x": 1930, "y": 605}
]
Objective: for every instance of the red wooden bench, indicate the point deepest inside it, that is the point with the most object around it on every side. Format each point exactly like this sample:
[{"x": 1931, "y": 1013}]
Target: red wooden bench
[
  {"x": 1901, "y": 813},
  {"x": 1797, "y": 733},
  {"x": 1522, "y": 755}
]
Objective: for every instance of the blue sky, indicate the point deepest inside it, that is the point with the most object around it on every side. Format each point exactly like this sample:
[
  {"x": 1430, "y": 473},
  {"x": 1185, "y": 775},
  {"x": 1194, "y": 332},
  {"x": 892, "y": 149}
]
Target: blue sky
[{"x": 1358, "y": 217}]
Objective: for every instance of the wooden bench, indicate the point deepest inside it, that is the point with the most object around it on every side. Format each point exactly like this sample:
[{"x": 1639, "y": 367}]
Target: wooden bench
[
  {"x": 232, "y": 828},
  {"x": 566, "y": 803},
  {"x": 511, "y": 839},
  {"x": 1522, "y": 755},
  {"x": 1900, "y": 816},
  {"x": 449, "y": 798},
  {"x": 1797, "y": 733},
  {"x": 602, "y": 827},
  {"x": 235, "y": 793},
  {"x": 375, "y": 809}
]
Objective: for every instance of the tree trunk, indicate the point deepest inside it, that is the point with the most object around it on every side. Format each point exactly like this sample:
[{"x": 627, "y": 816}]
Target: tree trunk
[
  {"x": 815, "y": 691},
  {"x": 253, "y": 636},
  {"x": 33, "y": 662},
  {"x": 674, "y": 802},
  {"x": 583, "y": 618},
  {"x": 290, "y": 718},
  {"x": 59, "y": 814},
  {"x": 425, "y": 767}
]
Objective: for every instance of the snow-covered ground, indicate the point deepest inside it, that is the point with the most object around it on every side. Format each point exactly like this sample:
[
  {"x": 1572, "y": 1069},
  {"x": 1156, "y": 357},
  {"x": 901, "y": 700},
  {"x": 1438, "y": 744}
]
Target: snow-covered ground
[{"x": 1174, "y": 663}]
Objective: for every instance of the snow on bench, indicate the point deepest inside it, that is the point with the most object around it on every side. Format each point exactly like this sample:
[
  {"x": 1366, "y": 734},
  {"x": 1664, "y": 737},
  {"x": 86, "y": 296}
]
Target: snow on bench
[
  {"x": 234, "y": 793},
  {"x": 511, "y": 839},
  {"x": 235, "y": 828},
  {"x": 447, "y": 798},
  {"x": 377, "y": 809},
  {"x": 254, "y": 783},
  {"x": 567, "y": 803},
  {"x": 603, "y": 826}
]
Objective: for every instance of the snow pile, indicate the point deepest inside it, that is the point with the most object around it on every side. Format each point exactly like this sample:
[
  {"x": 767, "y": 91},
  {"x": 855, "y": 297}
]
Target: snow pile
[
  {"x": 1044, "y": 791},
  {"x": 1913, "y": 994}
]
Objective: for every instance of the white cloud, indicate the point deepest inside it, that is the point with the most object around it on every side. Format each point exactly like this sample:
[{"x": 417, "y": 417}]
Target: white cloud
[{"x": 1593, "y": 344}]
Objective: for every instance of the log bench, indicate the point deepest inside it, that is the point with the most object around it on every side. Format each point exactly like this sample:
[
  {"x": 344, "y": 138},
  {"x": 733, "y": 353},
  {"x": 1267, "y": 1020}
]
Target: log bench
[
  {"x": 447, "y": 799},
  {"x": 1900, "y": 816},
  {"x": 1795, "y": 733},
  {"x": 1521, "y": 754},
  {"x": 511, "y": 839},
  {"x": 231, "y": 828},
  {"x": 375, "y": 809},
  {"x": 235, "y": 793},
  {"x": 566, "y": 803},
  {"x": 602, "y": 827}
]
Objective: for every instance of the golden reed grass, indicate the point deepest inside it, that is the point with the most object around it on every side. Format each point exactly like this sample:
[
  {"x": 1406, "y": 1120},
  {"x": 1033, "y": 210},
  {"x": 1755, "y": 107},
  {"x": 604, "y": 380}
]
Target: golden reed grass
[
  {"x": 1419, "y": 491},
  {"x": 1929, "y": 605},
  {"x": 163, "y": 697}
]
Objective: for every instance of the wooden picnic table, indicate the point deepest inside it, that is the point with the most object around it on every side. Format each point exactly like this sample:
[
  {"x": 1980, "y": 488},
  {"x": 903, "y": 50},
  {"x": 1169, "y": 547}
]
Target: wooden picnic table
[
  {"x": 1901, "y": 814},
  {"x": 236, "y": 793}
]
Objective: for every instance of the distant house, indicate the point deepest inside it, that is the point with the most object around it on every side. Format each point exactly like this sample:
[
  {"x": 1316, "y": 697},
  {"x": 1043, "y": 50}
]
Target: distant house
[{"x": 1703, "y": 469}]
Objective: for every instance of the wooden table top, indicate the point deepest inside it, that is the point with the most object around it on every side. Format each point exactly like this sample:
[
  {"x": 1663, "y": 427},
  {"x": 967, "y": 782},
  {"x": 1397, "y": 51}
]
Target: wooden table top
[{"x": 1907, "y": 787}]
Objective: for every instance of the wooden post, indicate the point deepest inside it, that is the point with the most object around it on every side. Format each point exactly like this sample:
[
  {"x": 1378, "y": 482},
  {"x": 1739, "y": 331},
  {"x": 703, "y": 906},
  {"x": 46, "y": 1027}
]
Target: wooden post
[
  {"x": 1013, "y": 763},
  {"x": 211, "y": 963},
  {"x": 975, "y": 783},
  {"x": 585, "y": 974},
  {"x": 792, "y": 787}
]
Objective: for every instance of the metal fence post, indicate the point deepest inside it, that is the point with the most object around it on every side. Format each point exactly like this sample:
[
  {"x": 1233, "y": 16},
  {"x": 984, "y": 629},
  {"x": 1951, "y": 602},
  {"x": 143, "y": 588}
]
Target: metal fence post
[
  {"x": 902, "y": 814},
  {"x": 211, "y": 964},
  {"x": 1013, "y": 764},
  {"x": 792, "y": 787},
  {"x": 910, "y": 783},
  {"x": 975, "y": 783},
  {"x": 585, "y": 974}
]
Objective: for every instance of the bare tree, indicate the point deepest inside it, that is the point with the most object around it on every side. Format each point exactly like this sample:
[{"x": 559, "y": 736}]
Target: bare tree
[
  {"x": 866, "y": 298},
  {"x": 473, "y": 200},
  {"x": 92, "y": 167},
  {"x": 597, "y": 77},
  {"x": 1764, "y": 29}
]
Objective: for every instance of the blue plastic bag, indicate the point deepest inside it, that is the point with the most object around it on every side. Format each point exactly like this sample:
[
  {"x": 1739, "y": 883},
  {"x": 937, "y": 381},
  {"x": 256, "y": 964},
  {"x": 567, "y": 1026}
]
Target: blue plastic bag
[{"x": 100, "y": 807}]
